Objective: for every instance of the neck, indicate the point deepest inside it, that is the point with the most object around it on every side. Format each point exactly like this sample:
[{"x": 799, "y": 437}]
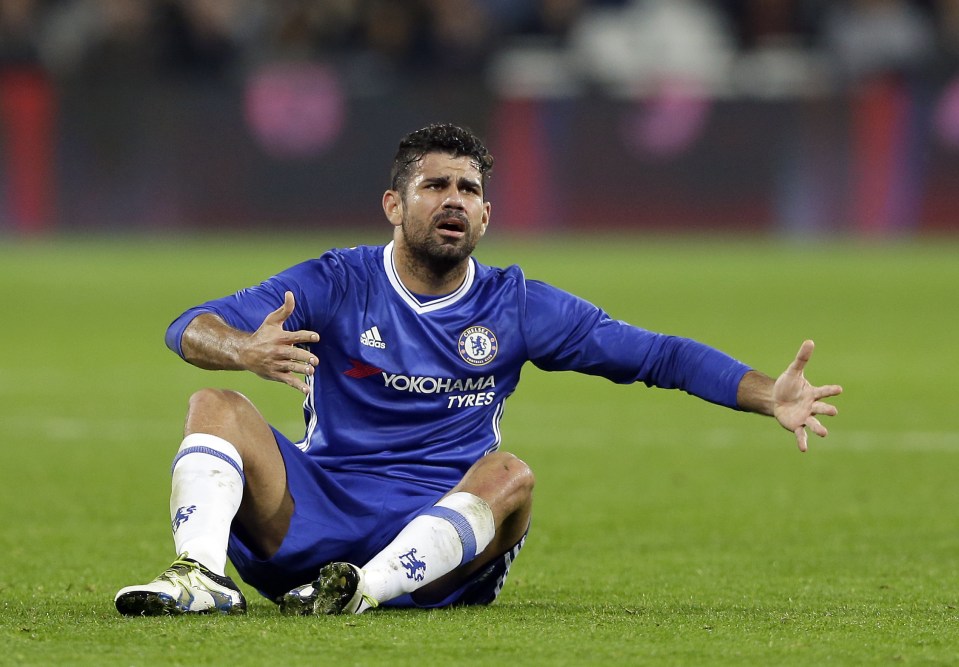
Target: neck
[{"x": 427, "y": 278}]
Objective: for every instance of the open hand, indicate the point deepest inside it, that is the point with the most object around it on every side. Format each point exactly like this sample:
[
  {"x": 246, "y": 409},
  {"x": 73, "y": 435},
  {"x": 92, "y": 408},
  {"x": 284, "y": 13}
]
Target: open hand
[
  {"x": 797, "y": 403},
  {"x": 273, "y": 353}
]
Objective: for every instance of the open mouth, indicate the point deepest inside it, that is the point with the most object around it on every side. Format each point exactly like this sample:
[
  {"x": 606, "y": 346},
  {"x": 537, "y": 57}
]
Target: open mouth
[{"x": 454, "y": 227}]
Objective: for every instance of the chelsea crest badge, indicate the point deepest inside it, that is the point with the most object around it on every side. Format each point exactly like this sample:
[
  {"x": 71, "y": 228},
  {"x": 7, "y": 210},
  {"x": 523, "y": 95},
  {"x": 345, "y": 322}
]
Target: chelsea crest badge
[{"x": 478, "y": 346}]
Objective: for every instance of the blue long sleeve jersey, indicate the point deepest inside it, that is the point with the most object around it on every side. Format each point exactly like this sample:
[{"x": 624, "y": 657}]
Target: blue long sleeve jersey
[{"x": 413, "y": 388}]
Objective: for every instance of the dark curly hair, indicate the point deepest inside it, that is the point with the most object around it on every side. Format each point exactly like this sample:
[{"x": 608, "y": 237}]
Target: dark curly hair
[{"x": 438, "y": 138}]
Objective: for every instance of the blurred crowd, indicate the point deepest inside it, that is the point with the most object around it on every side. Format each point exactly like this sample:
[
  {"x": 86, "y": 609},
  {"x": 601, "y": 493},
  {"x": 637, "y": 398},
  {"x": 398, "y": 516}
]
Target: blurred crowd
[
  {"x": 610, "y": 38},
  {"x": 862, "y": 92}
]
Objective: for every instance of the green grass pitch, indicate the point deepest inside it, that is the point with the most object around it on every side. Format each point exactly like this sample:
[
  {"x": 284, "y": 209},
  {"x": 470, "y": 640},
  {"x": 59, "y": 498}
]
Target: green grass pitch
[{"x": 666, "y": 531}]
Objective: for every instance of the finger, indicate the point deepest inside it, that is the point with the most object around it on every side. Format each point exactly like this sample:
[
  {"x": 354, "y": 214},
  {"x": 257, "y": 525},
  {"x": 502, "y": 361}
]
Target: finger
[
  {"x": 801, "y": 438},
  {"x": 802, "y": 357},
  {"x": 302, "y": 357},
  {"x": 302, "y": 336},
  {"x": 294, "y": 361},
  {"x": 820, "y": 408},
  {"x": 827, "y": 391},
  {"x": 816, "y": 427},
  {"x": 294, "y": 366},
  {"x": 294, "y": 381},
  {"x": 280, "y": 315},
  {"x": 300, "y": 386}
]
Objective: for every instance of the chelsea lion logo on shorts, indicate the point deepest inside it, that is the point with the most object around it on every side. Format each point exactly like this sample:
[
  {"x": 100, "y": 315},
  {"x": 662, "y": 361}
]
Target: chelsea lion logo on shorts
[{"x": 478, "y": 346}]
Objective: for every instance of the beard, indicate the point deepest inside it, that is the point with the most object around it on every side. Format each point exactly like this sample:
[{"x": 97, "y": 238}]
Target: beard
[{"x": 438, "y": 256}]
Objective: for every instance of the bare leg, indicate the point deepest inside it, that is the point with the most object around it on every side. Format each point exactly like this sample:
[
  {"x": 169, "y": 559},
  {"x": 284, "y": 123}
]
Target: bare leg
[
  {"x": 435, "y": 553},
  {"x": 267, "y": 506},
  {"x": 228, "y": 469},
  {"x": 506, "y": 484}
]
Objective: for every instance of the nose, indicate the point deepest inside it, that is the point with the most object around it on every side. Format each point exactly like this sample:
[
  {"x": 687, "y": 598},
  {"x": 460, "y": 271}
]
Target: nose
[{"x": 454, "y": 199}]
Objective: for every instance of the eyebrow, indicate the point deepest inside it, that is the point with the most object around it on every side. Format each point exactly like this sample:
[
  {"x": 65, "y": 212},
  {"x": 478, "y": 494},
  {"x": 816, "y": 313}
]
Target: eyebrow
[
  {"x": 462, "y": 181},
  {"x": 466, "y": 181}
]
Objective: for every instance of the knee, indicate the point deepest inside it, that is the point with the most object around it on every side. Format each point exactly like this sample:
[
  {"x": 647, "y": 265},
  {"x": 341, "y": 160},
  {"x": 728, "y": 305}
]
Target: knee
[
  {"x": 220, "y": 402},
  {"x": 515, "y": 474},
  {"x": 510, "y": 498},
  {"x": 224, "y": 413}
]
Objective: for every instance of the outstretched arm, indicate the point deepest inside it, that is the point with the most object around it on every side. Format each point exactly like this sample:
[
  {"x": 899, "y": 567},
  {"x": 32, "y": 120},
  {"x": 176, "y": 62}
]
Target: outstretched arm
[
  {"x": 791, "y": 399},
  {"x": 271, "y": 352}
]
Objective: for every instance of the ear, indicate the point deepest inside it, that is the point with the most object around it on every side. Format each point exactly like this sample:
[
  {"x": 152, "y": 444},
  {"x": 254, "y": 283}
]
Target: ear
[
  {"x": 393, "y": 207},
  {"x": 484, "y": 221}
]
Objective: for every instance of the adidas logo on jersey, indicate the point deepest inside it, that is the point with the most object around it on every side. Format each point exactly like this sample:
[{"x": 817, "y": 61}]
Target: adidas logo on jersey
[{"x": 371, "y": 338}]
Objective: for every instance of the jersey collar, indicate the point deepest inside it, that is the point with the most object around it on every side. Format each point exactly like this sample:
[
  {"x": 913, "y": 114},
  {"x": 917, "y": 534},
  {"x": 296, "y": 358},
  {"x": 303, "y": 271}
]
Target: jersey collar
[{"x": 436, "y": 304}]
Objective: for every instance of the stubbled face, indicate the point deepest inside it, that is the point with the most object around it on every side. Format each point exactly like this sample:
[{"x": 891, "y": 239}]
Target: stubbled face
[{"x": 442, "y": 213}]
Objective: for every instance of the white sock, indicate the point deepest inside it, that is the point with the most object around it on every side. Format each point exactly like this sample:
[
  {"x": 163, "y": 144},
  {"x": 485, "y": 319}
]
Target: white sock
[
  {"x": 452, "y": 532},
  {"x": 207, "y": 490}
]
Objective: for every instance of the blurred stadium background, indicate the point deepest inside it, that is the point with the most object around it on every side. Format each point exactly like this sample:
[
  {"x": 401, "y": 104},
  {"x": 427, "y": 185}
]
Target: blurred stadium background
[{"x": 782, "y": 117}]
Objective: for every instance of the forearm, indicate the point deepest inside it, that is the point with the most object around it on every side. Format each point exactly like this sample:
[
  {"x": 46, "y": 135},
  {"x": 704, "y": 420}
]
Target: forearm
[
  {"x": 755, "y": 393},
  {"x": 210, "y": 343},
  {"x": 273, "y": 353}
]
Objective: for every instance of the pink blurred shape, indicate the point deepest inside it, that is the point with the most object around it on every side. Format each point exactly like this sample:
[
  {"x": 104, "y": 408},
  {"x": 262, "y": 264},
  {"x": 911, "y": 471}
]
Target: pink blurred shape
[
  {"x": 294, "y": 109},
  {"x": 947, "y": 115},
  {"x": 669, "y": 122}
]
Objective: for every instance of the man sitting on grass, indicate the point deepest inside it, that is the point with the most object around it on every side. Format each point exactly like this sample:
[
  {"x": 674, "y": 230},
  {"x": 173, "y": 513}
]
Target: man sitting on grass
[{"x": 398, "y": 492}]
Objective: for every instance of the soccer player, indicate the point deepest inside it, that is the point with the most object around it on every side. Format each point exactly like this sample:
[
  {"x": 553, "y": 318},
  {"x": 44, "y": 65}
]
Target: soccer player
[{"x": 398, "y": 492}]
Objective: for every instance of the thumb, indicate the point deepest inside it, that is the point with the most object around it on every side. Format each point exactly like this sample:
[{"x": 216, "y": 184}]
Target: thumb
[
  {"x": 802, "y": 357},
  {"x": 280, "y": 315}
]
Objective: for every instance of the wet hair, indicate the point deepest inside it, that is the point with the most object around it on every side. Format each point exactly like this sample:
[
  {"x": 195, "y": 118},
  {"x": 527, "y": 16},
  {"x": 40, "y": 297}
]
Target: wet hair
[{"x": 438, "y": 138}]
